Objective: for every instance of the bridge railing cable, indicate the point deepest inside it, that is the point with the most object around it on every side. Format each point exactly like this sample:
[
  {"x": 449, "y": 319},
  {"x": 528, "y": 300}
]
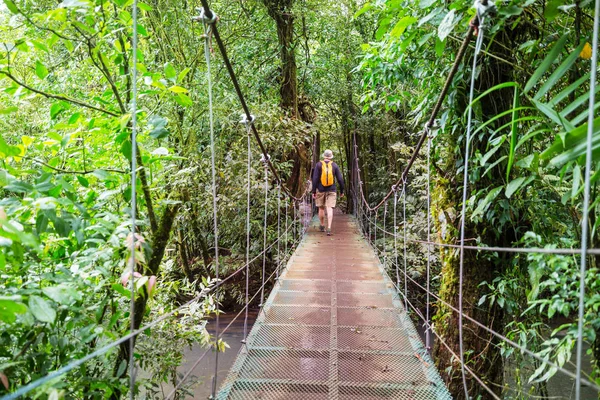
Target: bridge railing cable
[{"x": 365, "y": 216}]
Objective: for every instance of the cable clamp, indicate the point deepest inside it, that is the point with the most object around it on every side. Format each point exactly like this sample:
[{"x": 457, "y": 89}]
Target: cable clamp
[
  {"x": 202, "y": 17},
  {"x": 264, "y": 160},
  {"x": 484, "y": 7},
  {"x": 245, "y": 120},
  {"x": 428, "y": 131}
]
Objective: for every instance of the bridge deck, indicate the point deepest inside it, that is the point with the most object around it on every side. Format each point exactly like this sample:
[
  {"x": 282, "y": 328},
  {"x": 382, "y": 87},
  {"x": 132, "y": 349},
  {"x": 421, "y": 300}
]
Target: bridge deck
[{"x": 333, "y": 328}]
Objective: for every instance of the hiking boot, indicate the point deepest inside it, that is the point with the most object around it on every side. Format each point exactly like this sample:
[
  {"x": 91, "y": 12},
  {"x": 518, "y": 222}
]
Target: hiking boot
[
  {"x": 328, "y": 232},
  {"x": 322, "y": 228}
]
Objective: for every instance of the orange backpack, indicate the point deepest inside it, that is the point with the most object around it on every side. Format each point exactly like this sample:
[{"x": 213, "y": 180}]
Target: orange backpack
[{"x": 326, "y": 173}]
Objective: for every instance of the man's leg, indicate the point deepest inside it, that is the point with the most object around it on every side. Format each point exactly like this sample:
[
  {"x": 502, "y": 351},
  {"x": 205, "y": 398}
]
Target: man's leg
[
  {"x": 329, "y": 217},
  {"x": 322, "y": 215}
]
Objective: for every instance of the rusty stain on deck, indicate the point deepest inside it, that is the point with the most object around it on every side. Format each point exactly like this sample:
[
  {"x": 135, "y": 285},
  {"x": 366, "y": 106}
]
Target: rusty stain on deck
[{"x": 333, "y": 328}]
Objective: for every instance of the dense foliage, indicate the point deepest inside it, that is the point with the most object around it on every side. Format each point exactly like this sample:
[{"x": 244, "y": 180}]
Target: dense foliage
[{"x": 316, "y": 74}]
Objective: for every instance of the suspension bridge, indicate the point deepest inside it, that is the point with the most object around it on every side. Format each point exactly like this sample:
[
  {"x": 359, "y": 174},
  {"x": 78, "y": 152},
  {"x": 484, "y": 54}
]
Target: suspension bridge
[
  {"x": 334, "y": 328},
  {"x": 335, "y": 325}
]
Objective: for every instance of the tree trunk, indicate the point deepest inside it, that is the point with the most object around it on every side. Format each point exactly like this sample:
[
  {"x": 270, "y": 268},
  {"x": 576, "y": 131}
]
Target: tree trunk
[
  {"x": 482, "y": 352},
  {"x": 160, "y": 239},
  {"x": 281, "y": 12}
]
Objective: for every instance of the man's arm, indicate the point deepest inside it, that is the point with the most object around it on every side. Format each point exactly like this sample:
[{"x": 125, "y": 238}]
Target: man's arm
[
  {"x": 340, "y": 178},
  {"x": 315, "y": 177}
]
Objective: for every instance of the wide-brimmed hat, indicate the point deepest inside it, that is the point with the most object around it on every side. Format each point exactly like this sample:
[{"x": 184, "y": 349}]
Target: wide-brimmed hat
[{"x": 328, "y": 154}]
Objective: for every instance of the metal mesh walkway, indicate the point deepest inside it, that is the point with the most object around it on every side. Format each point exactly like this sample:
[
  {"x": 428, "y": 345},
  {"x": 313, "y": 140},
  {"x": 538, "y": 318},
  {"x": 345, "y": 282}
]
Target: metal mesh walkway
[{"x": 333, "y": 328}]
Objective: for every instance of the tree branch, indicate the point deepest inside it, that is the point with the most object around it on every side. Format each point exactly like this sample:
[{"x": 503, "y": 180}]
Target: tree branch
[
  {"x": 58, "y": 97},
  {"x": 64, "y": 171}
]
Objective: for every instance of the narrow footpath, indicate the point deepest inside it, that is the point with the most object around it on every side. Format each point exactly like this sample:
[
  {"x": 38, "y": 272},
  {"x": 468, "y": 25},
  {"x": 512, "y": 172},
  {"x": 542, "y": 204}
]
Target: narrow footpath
[{"x": 333, "y": 328}]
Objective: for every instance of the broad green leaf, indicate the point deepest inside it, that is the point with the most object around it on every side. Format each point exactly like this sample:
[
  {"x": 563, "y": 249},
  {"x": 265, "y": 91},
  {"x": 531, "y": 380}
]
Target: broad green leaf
[
  {"x": 182, "y": 75},
  {"x": 183, "y": 100},
  {"x": 440, "y": 45},
  {"x": 447, "y": 25},
  {"x": 41, "y": 309},
  {"x": 401, "y": 26},
  {"x": 62, "y": 294},
  {"x": 170, "y": 72},
  {"x": 515, "y": 184},
  {"x": 382, "y": 29},
  {"x": 83, "y": 181},
  {"x": 426, "y": 3},
  {"x": 552, "y": 8},
  {"x": 40, "y": 70},
  {"x": 159, "y": 130},
  {"x": 10, "y": 307},
  {"x": 484, "y": 204},
  {"x": 11, "y": 6}
]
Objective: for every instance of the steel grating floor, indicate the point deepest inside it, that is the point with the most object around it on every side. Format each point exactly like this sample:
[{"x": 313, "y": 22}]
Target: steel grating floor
[{"x": 333, "y": 328}]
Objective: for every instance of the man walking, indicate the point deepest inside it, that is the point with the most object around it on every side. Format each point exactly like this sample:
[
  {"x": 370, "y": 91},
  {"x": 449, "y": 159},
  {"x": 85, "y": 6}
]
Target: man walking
[{"x": 324, "y": 190}]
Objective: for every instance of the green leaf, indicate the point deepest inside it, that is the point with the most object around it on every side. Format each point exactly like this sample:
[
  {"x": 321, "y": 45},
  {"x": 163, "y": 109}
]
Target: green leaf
[
  {"x": 440, "y": 45},
  {"x": 485, "y": 203},
  {"x": 182, "y": 75},
  {"x": 126, "y": 149},
  {"x": 170, "y": 72},
  {"x": 426, "y": 3},
  {"x": 545, "y": 65},
  {"x": 515, "y": 184},
  {"x": 11, "y": 6},
  {"x": 41, "y": 309},
  {"x": 382, "y": 29},
  {"x": 178, "y": 89},
  {"x": 551, "y": 10},
  {"x": 159, "y": 130},
  {"x": 559, "y": 72},
  {"x": 83, "y": 181},
  {"x": 121, "y": 290},
  {"x": 447, "y": 25},
  {"x": 183, "y": 100},
  {"x": 62, "y": 294},
  {"x": 8, "y": 110},
  {"x": 366, "y": 7},
  {"x": 10, "y": 307},
  {"x": 401, "y": 26},
  {"x": 40, "y": 70},
  {"x": 513, "y": 133},
  {"x": 56, "y": 108}
]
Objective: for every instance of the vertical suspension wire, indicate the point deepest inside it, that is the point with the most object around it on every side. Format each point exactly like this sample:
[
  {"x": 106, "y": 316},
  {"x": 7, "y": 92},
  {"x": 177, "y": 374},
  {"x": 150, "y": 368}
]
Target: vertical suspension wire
[
  {"x": 278, "y": 231},
  {"x": 427, "y": 311},
  {"x": 396, "y": 237},
  {"x": 207, "y": 30},
  {"x": 264, "y": 260},
  {"x": 404, "y": 244},
  {"x": 286, "y": 229},
  {"x": 586, "y": 200},
  {"x": 375, "y": 229},
  {"x": 248, "y": 183},
  {"x": 369, "y": 225},
  {"x": 478, "y": 44},
  {"x": 385, "y": 206},
  {"x": 134, "y": 90}
]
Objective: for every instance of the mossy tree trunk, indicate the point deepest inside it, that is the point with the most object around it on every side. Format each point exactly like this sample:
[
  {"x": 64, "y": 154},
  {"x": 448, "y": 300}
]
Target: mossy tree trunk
[{"x": 482, "y": 354}]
